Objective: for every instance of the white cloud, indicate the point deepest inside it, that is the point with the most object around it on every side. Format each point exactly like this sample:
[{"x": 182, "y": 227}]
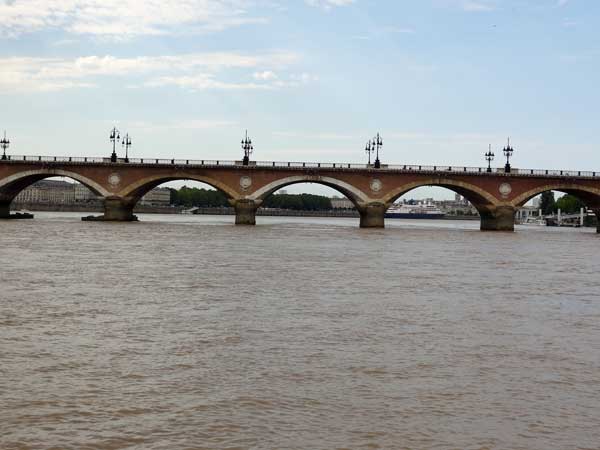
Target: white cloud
[
  {"x": 478, "y": 6},
  {"x": 263, "y": 81},
  {"x": 192, "y": 71},
  {"x": 458, "y": 138},
  {"x": 201, "y": 82},
  {"x": 383, "y": 31},
  {"x": 123, "y": 18},
  {"x": 401, "y": 30},
  {"x": 267, "y": 75},
  {"x": 581, "y": 56},
  {"x": 416, "y": 137},
  {"x": 188, "y": 124},
  {"x": 328, "y": 4},
  {"x": 561, "y": 3},
  {"x": 304, "y": 78},
  {"x": 317, "y": 136}
]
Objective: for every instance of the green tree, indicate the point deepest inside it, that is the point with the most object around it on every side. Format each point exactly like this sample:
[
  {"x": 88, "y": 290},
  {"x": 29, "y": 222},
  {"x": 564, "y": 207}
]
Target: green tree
[
  {"x": 547, "y": 202},
  {"x": 569, "y": 204},
  {"x": 198, "y": 197},
  {"x": 300, "y": 202},
  {"x": 173, "y": 196}
]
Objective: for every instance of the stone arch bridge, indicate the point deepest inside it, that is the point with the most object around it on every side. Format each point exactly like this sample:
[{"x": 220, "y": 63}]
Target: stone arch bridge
[{"x": 496, "y": 195}]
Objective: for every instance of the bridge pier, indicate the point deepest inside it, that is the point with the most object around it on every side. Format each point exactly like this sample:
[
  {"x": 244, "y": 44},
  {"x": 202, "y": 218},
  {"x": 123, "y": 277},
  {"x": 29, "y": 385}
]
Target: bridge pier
[
  {"x": 4, "y": 210},
  {"x": 372, "y": 215},
  {"x": 245, "y": 212},
  {"x": 501, "y": 218},
  {"x": 116, "y": 209}
]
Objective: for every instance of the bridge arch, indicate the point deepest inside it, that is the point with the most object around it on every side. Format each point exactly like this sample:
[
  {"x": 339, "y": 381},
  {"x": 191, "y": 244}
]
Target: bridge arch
[
  {"x": 13, "y": 184},
  {"x": 135, "y": 191},
  {"x": 353, "y": 194},
  {"x": 493, "y": 213},
  {"x": 479, "y": 198},
  {"x": 588, "y": 195}
]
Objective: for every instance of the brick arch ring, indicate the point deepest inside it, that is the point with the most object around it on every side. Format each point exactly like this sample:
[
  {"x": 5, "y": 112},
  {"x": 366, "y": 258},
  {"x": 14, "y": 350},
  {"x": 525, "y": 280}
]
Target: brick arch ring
[
  {"x": 526, "y": 196},
  {"x": 391, "y": 196},
  {"x": 354, "y": 194},
  {"x": 47, "y": 173},
  {"x": 155, "y": 180}
]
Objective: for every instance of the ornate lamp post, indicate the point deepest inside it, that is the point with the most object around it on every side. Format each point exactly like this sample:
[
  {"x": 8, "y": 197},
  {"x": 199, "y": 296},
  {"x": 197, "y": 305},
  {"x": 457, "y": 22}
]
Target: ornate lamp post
[
  {"x": 114, "y": 138},
  {"x": 508, "y": 151},
  {"x": 369, "y": 148},
  {"x": 4, "y": 143},
  {"x": 126, "y": 143},
  {"x": 489, "y": 156},
  {"x": 248, "y": 149},
  {"x": 377, "y": 144}
]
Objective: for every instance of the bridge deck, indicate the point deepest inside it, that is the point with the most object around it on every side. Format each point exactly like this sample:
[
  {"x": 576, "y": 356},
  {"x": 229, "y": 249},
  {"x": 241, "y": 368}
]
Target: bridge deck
[{"x": 207, "y": 163}]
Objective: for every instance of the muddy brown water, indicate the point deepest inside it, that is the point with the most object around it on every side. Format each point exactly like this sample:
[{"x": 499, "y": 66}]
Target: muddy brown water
[{"x": 300, "y": 333}]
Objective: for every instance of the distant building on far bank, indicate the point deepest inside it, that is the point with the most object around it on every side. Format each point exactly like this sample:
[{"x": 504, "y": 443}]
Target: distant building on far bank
[
  {"x": 156, "y": 197},
  {"x": 341, "y": 203},
  {"x": 49, "y": 192},
  {"x": 83, "y": 194},
  {"x": 460, "y": 206},
  {"x": 55, "y": 192}
]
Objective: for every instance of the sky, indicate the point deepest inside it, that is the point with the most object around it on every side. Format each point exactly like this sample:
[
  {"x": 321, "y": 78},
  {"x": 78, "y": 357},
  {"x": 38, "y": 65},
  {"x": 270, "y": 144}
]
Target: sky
[{"x": 311, "y": 80}]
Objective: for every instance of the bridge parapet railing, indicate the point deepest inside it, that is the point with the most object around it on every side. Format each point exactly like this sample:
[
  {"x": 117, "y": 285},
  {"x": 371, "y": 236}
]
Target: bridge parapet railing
[
  {"x": 310, "y": 165},
  {"x": 560, "y": 173},
  {"x": 75, "y": 159},
  {"x": 436, "y": 168}
]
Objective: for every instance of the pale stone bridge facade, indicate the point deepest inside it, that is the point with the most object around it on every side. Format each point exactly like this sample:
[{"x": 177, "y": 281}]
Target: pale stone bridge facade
[{"x": 496, "y": 194}]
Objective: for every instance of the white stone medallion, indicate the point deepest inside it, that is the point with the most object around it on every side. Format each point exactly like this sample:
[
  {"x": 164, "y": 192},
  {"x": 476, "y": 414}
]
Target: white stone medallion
[
  {"x": 114, "y": 179},
  {"x": 376, "y": 185},
  {"x": 245, "y": 182},
  {"x": 505, "y": 189}
]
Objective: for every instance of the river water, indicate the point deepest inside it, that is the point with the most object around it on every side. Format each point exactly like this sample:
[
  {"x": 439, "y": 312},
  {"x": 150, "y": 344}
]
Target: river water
[{"x": 186, "y": 332}]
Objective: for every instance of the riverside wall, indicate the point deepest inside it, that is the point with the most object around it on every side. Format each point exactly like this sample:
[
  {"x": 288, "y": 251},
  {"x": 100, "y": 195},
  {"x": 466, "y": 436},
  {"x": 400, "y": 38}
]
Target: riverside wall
[{"x": 202, "y": 211}]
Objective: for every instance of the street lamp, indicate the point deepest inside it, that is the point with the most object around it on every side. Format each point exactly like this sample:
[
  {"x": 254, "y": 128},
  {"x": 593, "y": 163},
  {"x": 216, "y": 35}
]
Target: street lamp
[
  {"x": 126, "y": 143},
  {"x": 114, "y": 138},
  {"x": 369, "y": 148},
  {"x": 489, "y": 156},
  {"x": 4, "y": 143},
  {"x": 248, "y": 149},
  {"x": 377, "y": 143},
  {"x": 508, "y": 151}
]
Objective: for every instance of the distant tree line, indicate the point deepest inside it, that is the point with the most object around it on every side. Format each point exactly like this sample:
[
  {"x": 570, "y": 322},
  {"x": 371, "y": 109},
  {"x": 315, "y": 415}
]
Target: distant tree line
[
  {"x": 204, "y": 198},
  {"x": 300, "y": 202},
  {"x": 207, "y": 198},
  {"x": 568, "y": 204}
]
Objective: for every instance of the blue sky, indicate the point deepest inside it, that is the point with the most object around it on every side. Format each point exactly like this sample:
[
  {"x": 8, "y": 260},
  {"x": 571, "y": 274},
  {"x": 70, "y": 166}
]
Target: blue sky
[{"x": 312, "y": 80}]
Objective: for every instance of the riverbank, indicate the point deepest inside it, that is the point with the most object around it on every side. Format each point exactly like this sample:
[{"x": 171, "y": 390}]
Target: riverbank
[
  {"x": 93, "y": 208},
  {"x": 213, "y": 211}
]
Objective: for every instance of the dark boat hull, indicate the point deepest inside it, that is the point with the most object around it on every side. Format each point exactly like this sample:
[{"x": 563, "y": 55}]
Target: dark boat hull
[{"x": 413, "y": 216}]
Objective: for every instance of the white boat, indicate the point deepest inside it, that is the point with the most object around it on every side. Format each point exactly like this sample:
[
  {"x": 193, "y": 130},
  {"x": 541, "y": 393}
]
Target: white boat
[
  {"x": 538, "y": 221},
  {"x": 417, "y": 211}
]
